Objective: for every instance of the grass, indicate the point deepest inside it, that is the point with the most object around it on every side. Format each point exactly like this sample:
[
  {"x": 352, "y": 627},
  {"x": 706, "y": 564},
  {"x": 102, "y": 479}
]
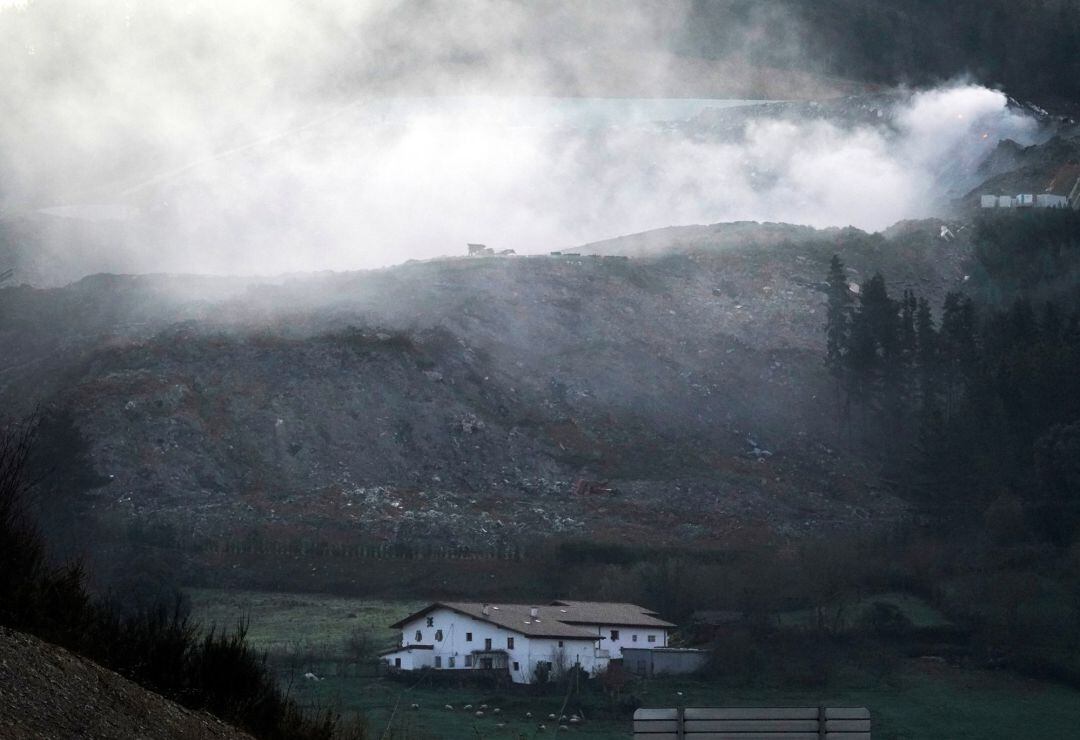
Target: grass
[
  {"x": 281, "y": 624},
  {"x": 925, "y": 702}
]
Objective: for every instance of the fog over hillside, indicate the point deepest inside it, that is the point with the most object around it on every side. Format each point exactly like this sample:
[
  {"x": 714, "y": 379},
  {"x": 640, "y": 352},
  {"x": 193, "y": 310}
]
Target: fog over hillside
[{"x": 268, "y": 137}]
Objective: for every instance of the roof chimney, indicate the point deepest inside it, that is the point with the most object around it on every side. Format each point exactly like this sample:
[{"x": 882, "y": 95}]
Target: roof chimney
[
  {"x": 534, "y": 612},
  {"x": 485, "y": 610}
]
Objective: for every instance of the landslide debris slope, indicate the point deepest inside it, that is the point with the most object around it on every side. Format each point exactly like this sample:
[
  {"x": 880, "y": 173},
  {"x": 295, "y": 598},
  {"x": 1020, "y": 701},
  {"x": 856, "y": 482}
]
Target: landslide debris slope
[
  {"x": 47, "y": 692},
  {"x": 462, "y": 401}
]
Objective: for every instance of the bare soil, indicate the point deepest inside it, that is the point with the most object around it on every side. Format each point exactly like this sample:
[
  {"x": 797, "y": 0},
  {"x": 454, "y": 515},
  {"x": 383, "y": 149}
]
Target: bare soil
[{"x": 48, "y": 692}]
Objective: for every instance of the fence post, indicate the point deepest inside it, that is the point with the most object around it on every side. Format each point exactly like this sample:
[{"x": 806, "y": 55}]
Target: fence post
[
  {"x": 821, "y": 723},
  {"x": 680, "y": 723}
]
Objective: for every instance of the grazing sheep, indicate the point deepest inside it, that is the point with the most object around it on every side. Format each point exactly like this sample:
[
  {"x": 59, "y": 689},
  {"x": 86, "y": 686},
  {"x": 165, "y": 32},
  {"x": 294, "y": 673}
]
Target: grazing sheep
[
  {"x": 542, "y": 727},
  {"x": 483, "y": 706},
  {"x": 496, "y": 710},
  {"x": 563, "y": 728},
  {"x": 468, "y": 707},
  {"x": 448, "y": 708},
  {"x": 574, "y": 720},
  {"x": 528, "y": 715},
  {"x": 551, "y": 716},
  {"x": 415, "y": 706},
  {"x": 479, "y": 714}
]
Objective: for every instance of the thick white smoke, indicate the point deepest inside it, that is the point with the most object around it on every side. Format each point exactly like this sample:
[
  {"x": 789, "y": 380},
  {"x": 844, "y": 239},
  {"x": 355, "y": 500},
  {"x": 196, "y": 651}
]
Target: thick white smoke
[{"x": 265, "y": 137}]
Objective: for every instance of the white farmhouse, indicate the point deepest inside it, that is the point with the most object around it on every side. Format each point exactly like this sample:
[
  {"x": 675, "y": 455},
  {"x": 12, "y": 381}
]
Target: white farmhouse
[{"x": 523, "y": 640}]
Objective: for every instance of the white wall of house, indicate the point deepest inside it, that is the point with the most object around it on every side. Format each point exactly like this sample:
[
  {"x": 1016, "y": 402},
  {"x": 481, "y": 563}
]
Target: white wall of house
[
  {"x": 618, "y": 637},
  {"x": 989, "y": 201},
  {"x": 409, "y": 660},
  {"x": 455, "y": 636}
]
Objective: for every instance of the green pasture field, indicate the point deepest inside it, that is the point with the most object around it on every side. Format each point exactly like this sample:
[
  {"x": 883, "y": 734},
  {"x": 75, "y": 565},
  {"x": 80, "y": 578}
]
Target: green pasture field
[
  {"x": 287, "y": 623},
  {"x": 932, "y": 702}
]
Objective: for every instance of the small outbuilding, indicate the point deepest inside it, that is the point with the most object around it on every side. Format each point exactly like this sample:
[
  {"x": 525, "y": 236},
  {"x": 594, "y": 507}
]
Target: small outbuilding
[{"x": 663, "y": 661}]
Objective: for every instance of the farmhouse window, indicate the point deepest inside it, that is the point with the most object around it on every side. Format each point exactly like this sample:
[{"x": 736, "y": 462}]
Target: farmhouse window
[
  {"x": 652, "y": 638},
  {"x": 438, "y": 661},
  {"x": 452, "y": 661},
  {"x": 419, "y": 636},
  {"x": 516, "y": 668},
  {"x": 468, "y": 661},
  {"x": 633, "y": 638},
  {"x": 509, "y": 643},
  {"x": 468, "y": 637},
  {"x": 397, "y": 662},
  {"x": 614, "y": 634},
  {"x": 438, "y": 635},
  {"x": 431, "y": 621},
  {"x": 487, "y": 643}
]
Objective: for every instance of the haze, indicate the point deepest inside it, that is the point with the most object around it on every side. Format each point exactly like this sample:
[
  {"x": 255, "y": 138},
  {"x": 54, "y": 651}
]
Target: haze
[{"x": 269, "y": 137}]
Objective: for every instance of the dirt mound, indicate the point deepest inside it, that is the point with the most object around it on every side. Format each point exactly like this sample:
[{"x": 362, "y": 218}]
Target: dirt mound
[{"x": 47, "y": 692}]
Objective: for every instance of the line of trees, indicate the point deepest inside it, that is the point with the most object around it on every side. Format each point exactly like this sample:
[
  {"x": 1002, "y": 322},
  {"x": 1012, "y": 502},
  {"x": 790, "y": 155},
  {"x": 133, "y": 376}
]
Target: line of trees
[{"x": 978, "y": 402}]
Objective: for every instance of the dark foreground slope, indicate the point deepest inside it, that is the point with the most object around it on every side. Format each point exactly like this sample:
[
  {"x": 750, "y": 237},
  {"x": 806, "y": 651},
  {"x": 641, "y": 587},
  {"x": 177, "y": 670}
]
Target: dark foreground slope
[
  {"x": 47, "y": 692},
  {"x": 464, "y": 401}
]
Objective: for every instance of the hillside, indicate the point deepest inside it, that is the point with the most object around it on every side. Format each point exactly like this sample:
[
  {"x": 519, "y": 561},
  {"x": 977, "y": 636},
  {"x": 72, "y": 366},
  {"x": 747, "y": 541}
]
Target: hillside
[
  {"x": 1025, "y": 47},
  {"x": 47, "y": 692},
  {"x": 460, "y": 401}
]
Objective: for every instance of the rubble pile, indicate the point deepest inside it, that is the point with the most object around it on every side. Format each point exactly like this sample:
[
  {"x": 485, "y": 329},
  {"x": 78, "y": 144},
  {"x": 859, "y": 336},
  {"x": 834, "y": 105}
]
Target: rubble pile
[{"x": 463, "y": 401}]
